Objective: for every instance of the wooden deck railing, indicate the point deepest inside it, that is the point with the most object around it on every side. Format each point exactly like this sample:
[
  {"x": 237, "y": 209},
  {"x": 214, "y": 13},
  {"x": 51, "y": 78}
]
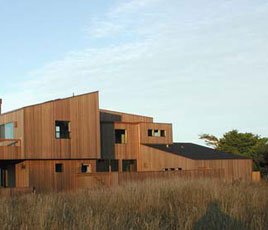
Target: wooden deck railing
[{"x": 10, "y": 149}]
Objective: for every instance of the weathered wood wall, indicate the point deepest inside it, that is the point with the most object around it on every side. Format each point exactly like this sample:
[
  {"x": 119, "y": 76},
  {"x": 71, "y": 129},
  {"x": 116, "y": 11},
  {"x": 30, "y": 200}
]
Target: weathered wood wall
[
  {"x": 130, "y": 150},
  {"x": 13, "y": 152},
  {"x": 137, "y": 133},
  {"x": 151, "y": 159},
  {"x": 10, "y": 152},
  {"x": 41, "y": 174},
  {"x": 83, "y": 114},
  {"x": 145, "y": 139}
]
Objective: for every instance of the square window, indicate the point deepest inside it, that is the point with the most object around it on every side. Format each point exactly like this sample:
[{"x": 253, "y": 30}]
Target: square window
[
  {"x": 58, "y": 168},
  {"x": 120, "y": 136},
  {"x": 62, "y": 129},
  {"x": 102, "y": 166}
]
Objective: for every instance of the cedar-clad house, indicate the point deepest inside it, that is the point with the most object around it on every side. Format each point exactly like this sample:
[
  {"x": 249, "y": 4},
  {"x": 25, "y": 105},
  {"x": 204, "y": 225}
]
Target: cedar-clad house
[{"x": 46, "y": 146}]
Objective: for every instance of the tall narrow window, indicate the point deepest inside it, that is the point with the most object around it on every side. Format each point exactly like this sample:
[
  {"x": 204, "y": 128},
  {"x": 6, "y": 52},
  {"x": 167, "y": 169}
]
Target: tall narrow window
[
  {"x": 9, "y": 131},
  {"x": 114, "y": 165},
  {"x": 2, "y": 131},
  {"x": 120, "y": 136},
  {"x": 150, "y": 132},
  {"x": 62, "y": 129},
  {"x": 163, "y": 133}
]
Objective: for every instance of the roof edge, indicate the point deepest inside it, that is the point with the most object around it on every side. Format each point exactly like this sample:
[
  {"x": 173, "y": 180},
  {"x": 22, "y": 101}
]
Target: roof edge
[{"x": 58, "y": 99}]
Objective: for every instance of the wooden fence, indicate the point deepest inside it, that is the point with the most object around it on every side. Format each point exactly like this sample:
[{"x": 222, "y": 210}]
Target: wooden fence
[
  {"x": 15, "y": 191},
  {"x": 91, "y": 180}
]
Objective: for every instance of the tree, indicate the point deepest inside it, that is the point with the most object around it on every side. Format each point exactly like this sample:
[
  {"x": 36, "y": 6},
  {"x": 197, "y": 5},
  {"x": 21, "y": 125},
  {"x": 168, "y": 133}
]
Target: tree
[{"x": 245, "y": 144}]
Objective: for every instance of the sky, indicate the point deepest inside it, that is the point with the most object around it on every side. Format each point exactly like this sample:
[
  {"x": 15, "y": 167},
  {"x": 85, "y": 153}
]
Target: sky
[{"x": 201, "y": 65}]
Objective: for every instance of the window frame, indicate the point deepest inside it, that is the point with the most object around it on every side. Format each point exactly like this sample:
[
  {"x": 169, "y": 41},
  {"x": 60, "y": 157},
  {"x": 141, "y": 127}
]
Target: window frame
[
  {"x": 156, "y": 133},
  {"x": 7, "y": 129},
  {"x": 61, "y": 136},
  {"x": 124, "y": 139},
  {"x": 164, "y": 132}
]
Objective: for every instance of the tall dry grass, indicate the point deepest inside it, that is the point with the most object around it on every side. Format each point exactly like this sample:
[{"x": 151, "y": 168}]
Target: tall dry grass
[{"x": 158, "y": 204}]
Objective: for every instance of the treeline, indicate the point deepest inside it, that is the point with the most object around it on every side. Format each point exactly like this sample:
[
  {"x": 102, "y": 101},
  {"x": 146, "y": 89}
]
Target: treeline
[{"x": 245, "y": 144}]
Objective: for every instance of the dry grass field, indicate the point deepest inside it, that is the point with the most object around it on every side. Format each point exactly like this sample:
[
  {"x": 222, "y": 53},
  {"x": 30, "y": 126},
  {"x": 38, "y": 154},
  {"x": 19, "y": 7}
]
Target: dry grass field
[{"x": 158, "y": 204}]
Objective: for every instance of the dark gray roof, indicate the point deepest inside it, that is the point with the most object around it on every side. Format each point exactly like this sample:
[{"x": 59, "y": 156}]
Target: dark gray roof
[{"x": 195, "y": 152}]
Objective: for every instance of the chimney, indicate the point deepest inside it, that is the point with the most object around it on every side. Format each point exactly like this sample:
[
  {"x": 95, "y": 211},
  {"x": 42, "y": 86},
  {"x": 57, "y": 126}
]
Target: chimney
[{"x": 0, "y": 106}]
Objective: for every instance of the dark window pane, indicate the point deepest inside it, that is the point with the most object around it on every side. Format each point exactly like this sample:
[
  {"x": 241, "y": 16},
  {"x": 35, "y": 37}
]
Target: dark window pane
[
  {"x": 114, "y": 166},
  {"x": 85, "y": 168},
  {"x": 120, "y": 136},
  {"x": 59, "y": 167},
  {"x": 62, "y": 129},
  {"x": 102, "y": 165},
  {"x": 150, "y": 132},
  {"x": 163, "y": 133},
  {"x": 129, "y": 165}
]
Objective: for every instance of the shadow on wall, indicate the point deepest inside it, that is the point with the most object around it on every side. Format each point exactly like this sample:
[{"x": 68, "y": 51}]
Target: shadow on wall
[{"x": 215, "y": 219}]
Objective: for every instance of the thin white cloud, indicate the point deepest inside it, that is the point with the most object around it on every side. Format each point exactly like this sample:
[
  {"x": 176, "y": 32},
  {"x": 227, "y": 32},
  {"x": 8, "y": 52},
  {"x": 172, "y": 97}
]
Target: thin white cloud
[
  {"x": 132, "y": 6},
  {"x": 180, "y": 60}
]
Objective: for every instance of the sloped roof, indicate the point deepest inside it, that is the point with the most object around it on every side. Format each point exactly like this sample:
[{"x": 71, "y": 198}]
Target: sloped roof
[
  {"x": 195, "y": 152},
  {"x": 59, "y": 99}
]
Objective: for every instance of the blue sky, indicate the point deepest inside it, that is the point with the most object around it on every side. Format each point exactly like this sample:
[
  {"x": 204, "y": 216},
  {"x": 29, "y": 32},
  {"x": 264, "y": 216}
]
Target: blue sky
[{"x": 201, "y": 65}]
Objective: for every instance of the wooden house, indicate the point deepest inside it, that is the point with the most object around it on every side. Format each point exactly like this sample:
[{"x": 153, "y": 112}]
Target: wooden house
[{"x": 47, "y": 145}]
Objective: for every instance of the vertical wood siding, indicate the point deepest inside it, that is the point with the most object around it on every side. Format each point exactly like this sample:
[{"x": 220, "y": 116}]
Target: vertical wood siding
[
  {"x": 13, "y": 152},
  {"x": 155, "y": 160},
  {"x": 131, "y": 149},
  {"x": 83, "y": 114},
  {"x": 145, "y": 139}
]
